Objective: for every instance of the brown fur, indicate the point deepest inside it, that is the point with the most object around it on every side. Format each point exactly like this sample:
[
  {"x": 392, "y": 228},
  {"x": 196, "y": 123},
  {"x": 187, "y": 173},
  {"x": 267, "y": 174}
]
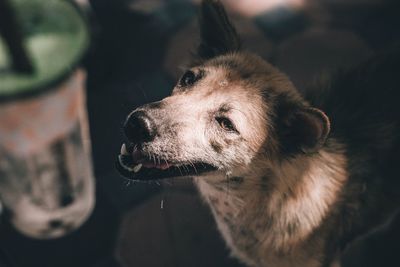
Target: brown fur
[
  {"x": 289, "y": 187},
  {"x": 269, "y": 209},
  {"x": 271, "y": 220}
]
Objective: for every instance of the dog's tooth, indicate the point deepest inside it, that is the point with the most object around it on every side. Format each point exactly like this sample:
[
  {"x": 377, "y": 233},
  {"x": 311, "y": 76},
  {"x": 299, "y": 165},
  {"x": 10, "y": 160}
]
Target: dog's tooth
[
  {"x": 137, "y": 167},
  {"x": 124, "y": 151},
  {"x": 121, "y": 161}
]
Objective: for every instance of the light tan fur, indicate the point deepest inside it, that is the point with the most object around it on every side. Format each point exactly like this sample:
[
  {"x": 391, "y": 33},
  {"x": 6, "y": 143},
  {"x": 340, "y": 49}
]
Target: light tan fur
[{"x": 276, "y": 223}]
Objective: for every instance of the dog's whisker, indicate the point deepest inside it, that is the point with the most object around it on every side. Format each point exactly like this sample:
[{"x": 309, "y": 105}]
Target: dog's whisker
[
  {"x": 194, "y": 167},
  {"x": 166, "y": 162},
  {"x": 179, "y": 168},
  {"x": 184, "y": 167}
]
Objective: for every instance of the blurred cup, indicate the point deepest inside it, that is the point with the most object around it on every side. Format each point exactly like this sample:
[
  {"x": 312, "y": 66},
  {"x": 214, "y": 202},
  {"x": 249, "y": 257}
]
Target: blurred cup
[{"x": 46, "y": 180}]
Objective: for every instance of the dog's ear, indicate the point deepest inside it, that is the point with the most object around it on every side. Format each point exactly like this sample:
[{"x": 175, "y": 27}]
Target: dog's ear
[
  {"x": 304, "y": 130},
  {"x": 218, "y": 36}
]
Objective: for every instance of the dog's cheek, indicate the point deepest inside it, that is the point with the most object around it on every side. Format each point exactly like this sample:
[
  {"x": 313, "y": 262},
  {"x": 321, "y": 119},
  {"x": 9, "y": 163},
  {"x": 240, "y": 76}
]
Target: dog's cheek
[
  {"x": 216, "y": 146},
  {"x": 188, "y": 140},
  {"x": 230, "y": 151}
]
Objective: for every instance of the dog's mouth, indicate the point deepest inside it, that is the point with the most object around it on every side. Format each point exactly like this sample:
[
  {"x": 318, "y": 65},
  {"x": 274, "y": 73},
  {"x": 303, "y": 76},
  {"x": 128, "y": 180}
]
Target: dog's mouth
[{"x": 133, "y": 164}]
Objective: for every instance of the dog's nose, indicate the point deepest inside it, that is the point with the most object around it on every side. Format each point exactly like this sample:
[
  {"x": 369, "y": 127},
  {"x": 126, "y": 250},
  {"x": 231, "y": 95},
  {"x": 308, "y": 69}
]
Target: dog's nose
[{"x": 139, "y": 128}]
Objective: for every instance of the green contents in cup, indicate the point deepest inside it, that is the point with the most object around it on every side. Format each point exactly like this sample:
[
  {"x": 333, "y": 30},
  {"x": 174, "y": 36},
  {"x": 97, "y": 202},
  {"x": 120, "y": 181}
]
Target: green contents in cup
[{"x": 55, "y": 37}]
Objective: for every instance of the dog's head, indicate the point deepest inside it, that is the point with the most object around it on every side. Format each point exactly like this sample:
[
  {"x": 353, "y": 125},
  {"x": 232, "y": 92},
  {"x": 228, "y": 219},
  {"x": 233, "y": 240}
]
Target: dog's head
[{"x": 230, "y": 109}]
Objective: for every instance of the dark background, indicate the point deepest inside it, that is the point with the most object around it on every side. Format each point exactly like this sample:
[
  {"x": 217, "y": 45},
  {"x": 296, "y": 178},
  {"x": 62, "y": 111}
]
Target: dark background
[{"x": 137, "y": 51}]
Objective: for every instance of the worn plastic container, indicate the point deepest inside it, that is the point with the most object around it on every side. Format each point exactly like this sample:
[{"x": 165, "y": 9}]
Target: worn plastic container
[{"x": 46, "y": 179}]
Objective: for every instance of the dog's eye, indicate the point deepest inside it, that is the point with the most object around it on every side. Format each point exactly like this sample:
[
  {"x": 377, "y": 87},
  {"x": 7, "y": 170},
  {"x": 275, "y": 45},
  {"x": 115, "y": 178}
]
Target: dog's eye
[
  {"x": 226, "y": 124},
  {"x": 189, "y": 78}
]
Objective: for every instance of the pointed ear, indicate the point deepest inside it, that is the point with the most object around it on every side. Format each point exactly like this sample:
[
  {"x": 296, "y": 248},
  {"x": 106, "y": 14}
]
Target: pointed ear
[
  {"x": 304, "y": 130},
  {"x": 218, "y": 36}
]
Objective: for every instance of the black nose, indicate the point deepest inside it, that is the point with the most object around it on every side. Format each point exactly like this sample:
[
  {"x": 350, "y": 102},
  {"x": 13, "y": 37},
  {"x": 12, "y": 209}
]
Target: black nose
[{"x": 139, "y": 128}]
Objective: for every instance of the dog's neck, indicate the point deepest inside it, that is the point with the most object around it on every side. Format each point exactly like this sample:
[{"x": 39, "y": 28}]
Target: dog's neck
[{"x": 275, "y": 207}]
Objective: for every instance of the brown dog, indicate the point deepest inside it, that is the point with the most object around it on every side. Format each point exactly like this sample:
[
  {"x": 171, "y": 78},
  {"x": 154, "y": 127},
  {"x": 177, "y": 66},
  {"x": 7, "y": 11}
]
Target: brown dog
[{"x": 305, "y": 174}]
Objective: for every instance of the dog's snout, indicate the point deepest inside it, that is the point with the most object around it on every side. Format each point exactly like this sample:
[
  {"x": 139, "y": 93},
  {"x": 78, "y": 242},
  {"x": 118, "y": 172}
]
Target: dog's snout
[{"x": 139, "y": 128}]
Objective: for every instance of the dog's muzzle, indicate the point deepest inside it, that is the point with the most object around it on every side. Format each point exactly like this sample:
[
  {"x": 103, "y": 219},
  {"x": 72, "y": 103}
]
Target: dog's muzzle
[{"x": 135, "y": 164}]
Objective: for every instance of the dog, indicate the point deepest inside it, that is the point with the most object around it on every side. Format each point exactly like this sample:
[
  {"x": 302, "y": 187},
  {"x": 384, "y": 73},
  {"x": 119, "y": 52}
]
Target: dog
[{"x": 306, "y": 173}]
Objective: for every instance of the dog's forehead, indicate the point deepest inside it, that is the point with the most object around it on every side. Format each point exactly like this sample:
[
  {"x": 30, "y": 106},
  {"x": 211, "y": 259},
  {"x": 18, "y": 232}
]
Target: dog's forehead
[
  {"x": 241, "y": 65},
  {"x": 220, "y": 86},
  {"x": 242, "y": 71},
  {"x": 227, "y": 76},
  {"x": 238, "y": 79}
]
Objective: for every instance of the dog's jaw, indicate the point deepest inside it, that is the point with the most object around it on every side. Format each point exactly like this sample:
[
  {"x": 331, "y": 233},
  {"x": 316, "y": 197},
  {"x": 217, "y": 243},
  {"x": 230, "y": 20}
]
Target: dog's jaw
[{"x": 132, "y": 163}]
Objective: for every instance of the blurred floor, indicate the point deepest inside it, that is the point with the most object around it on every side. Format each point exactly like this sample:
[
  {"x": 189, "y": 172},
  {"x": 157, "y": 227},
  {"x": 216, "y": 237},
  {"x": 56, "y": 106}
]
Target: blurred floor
[{"x": 138, "y": 49}]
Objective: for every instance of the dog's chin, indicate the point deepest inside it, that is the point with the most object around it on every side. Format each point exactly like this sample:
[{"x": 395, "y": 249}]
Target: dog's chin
[{"x": 132, "y": 165}]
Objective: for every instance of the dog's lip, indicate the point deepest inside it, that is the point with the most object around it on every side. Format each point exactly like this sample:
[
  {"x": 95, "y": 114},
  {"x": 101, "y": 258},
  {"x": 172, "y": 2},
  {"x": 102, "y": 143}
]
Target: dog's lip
[
  {"x": 131, "y": 157},
  {"x": 132, "y": 163}
]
